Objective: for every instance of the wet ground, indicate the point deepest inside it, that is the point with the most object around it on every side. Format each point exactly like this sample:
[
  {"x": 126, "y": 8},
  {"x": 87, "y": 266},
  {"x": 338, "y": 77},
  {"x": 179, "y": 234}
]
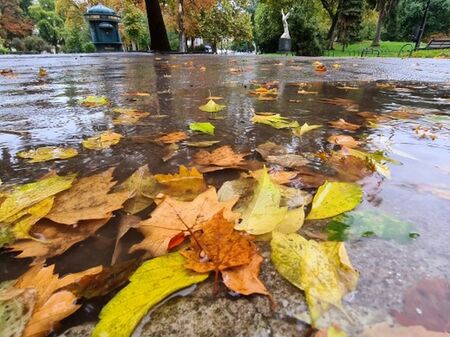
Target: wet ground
[{"x": 418, "y": 192}]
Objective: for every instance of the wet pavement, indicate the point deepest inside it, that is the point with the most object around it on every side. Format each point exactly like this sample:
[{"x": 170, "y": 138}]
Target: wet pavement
[{"x": 48, "y": 109}]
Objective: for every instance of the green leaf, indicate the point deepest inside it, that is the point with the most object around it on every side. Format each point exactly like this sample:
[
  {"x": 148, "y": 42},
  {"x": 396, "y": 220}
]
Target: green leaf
[
  {"x": 275, "y": 121},
  {"x": 333, "y": 198},
  {"x": 152, "y": 282},
  {"x": 322, "y": 270},
  {"x": 300, "y": 131},
  {"x": 357, "y": 224},
  {"x": 212, "y": 106},
  {"x": 202, "y": 127}
]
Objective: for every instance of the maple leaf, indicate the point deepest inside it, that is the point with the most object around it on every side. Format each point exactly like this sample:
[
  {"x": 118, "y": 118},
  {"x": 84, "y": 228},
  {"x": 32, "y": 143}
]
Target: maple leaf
[
  {"x": 221, "y": 158},
  {"x": 87, "y": 199},
  {"x": 47, "y": 153},
  {"x": 347, "y": 141},
  {"x": 102, "y": 141},
  {"x": 173, "y": 137},
  {"x": 218, "y": 247},
  {"x": 344, "y": 125},
  {"x": 173, "y": 217}
]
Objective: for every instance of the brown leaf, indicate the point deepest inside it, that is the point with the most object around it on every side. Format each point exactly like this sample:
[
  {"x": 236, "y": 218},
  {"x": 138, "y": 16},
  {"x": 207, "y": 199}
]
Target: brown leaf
[
  {"x": 427, "y": 303},
  {"x": 270, "y": 149},
  {"x": 384, "y": 330},
  {"x": 349, "y": 168},
  {"x": 54, "y": 239},
  {"x": 343, "y": 140},
  {"x": 342, "y": 124},
  {"x": 173, "y": 137},
  {"x": 279, "y": 177},
  {"x": 218, "y": 248},
  {"x": 173, "y": 217},
  {"x": 169, "y": 151},
  {"x": 87, "y": 199},
  {"x": 223, "y": 157},
  {"x": 292, "y": 161},
  {"x": 339, "y": 101},
  {"x": 127, "y": 221}
]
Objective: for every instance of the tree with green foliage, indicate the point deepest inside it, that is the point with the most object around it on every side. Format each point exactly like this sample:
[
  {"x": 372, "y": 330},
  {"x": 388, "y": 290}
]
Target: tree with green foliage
[
  {"x": 384, "y": 7},
  {"x": 135, "y": 27},
  {"x": 49, "y": 24},
  {"x": 350, "y": 19}
]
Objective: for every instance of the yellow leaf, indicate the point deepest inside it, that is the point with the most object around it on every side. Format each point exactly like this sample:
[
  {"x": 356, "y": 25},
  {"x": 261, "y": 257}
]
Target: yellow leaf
[
  {"x": 299, "y": 131},
  {"x": 150, "y": 284},
  {"x": 276, "y": 121},
  {"x": 48, "y": 153},
  {"x": 212, "y": 106},
  {"x": 103, "y": 141},
  {"x": 186, "y": 184},
  {"x": 321, "y": 270},
  {"x": 33, "y": 214},
  {"x": 94, "y": 101}
]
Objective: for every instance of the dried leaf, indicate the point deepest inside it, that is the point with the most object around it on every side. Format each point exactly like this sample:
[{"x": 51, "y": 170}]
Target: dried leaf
[
  {"x": 278, "y": 177},
  {"x": 300, "y": 131},
  {"x": 223, "y": 157},
  {"x": 349, "y": 168},
  {"x": 128, "y": 116},
  {"x": 87, "y": 199},
  {"x": 275, "y": 121},
  {"x": 212, "y": 106},
  {"x": 342, "y": 124},
  {"x": 322, "y": 270},
  {"x": 292, "y": 161},
  {"x": 150, "y": 284},
  {"x": 333, "y": 198},
  {"x": 385, "y": 330},
  {"x": 205, "y": 143},
  {"x": 377, "y": 159},
  {"x": 207, "y": 128},
  {"x": 347, "y": 141},
  {"x": 170, "y": 151},
  {"x": 173, "y": 137},
  {"x": 319, "y": 66},
  {"x": 173, "y": 217},
  {"x": 127, "y": 221},
  {"x": 47, "y": 153},
  {"x": 103, "y": 141},
  {"x": 94, "y": 101}
]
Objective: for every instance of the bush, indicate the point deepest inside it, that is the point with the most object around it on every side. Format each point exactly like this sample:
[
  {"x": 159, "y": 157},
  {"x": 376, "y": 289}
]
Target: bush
[
  {"x": 173, "y": 40},
  {"x": 89, "y": 47},
  {"x": 242, "y": 46},
  {"x": 35, "y": 43},
  {"x": 17, "y": 44}
]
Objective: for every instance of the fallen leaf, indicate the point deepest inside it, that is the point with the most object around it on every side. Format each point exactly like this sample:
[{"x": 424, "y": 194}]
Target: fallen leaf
[
  {"x": 333, "y": 198},
  {"x": 212, "y": 106},
  {"x": 385, "y": 330},
  {"x": 304, "y": 92},
  {"x": 310, "y": 178},
  {"x": 94, "y": 101},
  {"x": 207, "y": 128},
  {"x": 7, "y": 73},
  {"x": 42, "y": 72},
  {"x": 47, "y": 153},
  {"x": 342, "y": 124},
  {"x": 173, "y": 217},
  {"x": 275, "y": 121},
  {"x": 426, "y": 304},
  {"x": 173, "y": 137},
  {"x": 292, "y": 161},
  {"x": 170, "y": 151},
  {"x": 150, "y": 284},
  {"x": 185, "y": 185},
  {"x": 128, "y": 116},
  {"x": 377, "y": 159},
  {"x": 347, "y": 141},
  {"x": 103, "y": 141},
  {"x": 356, "y": 224},
  {"x": 142, "y": 189},
  {"x": 340, "y": 102},
  {"x": 127, "y": 222},
  {"x": 349, "y": 168},
  {"x": 322, "y": 270},
  {"x": 87, "y": 199},
  {"x": 270, "y": 149},
  {"x": 278, "y": 177},
  {"x": 222, "y": 157},
  {"x": 300, "y": 131},
  {"x": 319, "y": 67},
  {"x": 336, "y": 66},
  {"x": 205, "y": 143}
]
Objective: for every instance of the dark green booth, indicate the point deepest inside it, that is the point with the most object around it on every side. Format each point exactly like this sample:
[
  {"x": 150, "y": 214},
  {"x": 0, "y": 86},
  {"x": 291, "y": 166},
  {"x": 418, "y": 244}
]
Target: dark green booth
[{"x": 103, "y": 24}]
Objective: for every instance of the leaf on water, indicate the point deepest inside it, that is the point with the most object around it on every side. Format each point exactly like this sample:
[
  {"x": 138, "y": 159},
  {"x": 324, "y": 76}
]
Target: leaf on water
[
  {"x": 322, "y": 270},
  {"x": 150, "y": 284},
  {"x": 51, "y": 239},
  {"x": 218, "y": 159},
  {"x": 340, "y": 102},
  {"x": 212, "y": 106},
  {"x": 185, "y": 185},
  {"x": 47, "y": 153},
  {"x": 42, "y": 72},
  {"x": 94, "y": 101},
  {"x": 262, "y": 91},
  {"x": 103, "y": 141},
  {"x": 173, "y": 137},
  {"x": 343, "y": 140},
  {"x": 300, "y": 131},
  {"x": 377, "y": 159},
  {"x": 333, "y": 198},
  {"x": 170, "y": 151},
  {"x": 127, "y": 222},
  {"x": 207, "y": 128},
  {"x": 275, "y": 121},
  {"x": 173, "y": 217},
  {"x": 88, "y": 199},
  {"x": 142, "y": 189},
  {"x": 277, "y": 154},
  {"x": 349, "y": 168},
  {"x": 344, "y": 125},
  {"x": 319, "y": 67},
  {"x": 270, "y": 149},
  {"x": 278, "y": 177},
  {"x": 385, "y": 330},
  {"x": 356, "y": 224},
  {"x": 128, "y": 116},
  {"x": 431, "y": 297},
  {"x": 205, "y": 143}
]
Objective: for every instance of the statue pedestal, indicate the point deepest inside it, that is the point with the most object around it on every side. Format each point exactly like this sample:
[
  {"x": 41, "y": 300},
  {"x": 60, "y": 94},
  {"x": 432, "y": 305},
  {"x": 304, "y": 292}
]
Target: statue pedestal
[{"x": 284, "y": 45}]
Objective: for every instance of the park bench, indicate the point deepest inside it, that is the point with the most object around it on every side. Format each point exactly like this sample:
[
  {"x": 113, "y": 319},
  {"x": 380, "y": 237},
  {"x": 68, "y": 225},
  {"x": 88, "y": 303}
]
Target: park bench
[{"x": 433, "y": 44}]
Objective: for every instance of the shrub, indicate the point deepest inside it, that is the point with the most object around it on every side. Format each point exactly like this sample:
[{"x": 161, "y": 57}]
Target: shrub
[
  {"x": 89, "y": 47},
  {"x": 35, "y": 43}
]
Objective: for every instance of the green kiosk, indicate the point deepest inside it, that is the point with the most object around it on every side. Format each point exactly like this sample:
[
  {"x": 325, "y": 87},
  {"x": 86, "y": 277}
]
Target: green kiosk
[{"x": 103, "y": 24}]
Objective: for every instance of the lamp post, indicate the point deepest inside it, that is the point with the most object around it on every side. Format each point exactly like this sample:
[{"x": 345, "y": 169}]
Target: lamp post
[{"x": 422, "y": 26}]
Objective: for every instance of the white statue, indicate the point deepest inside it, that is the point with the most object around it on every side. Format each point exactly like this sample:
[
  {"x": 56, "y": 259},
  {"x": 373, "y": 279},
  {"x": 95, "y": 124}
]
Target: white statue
[{"x": 286, "y": 34}]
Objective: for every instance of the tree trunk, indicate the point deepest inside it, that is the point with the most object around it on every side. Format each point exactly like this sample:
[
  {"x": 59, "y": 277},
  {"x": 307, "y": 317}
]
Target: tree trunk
[
  {"x": 334, "y": 24},
  {"x": 181, "y": 35},
  {"x": 377, "y": 39},
  {"x": 158, "y": 34}
]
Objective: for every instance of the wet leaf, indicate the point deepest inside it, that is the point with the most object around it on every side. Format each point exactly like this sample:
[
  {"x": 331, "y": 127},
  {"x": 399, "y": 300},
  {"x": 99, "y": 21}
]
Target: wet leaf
[
  {"x": 103, "y": 141},
  {"x": 185, "y": 185},
  {"x": 270, "y": 149},
  {"x": 47, "y": 153},
  {"x": 170, "y": 151},
  {"x": 127, "y": 222},
  {"x": 173, "y": 137},
  {"x": 24, "y": 196},
  {"x": 150, "y": 284},
  {"x": 319, "y": 66},
  {"x": 42, "y": 72},
  {"x": 426, "y": 304},
  {"x": 357, "y": 224},
  {"x": 128, "y": 116},
  {"x": 207, "y": 128},
  {"x": 53, "y": 239},
  {"x": 292, "y": 161},
  {"x": 333, "y": 198},
  {"x": 347, "y": 141},
  {"x": 344, "y": 125},
  {"x": 385, "y": 330},
  {"x": 89, "y": 198},
  {"x": 349, "y": 168},
  {"x": 322, "y": 270},
  {"x": 300, "y": 131},
  {"x": 278, "y": 177},
  {"x": 205, "y": 143},
  {"x": 223, "y": 157},
  {"x": 212, "y": 106},
  {"x": 275, "y": 121},
  {"x": 377, "y": 159},
  {"x": 94, "y": 101},
  {"x": 173, "y": 217},
  {"x": 142, "y": 189}
]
